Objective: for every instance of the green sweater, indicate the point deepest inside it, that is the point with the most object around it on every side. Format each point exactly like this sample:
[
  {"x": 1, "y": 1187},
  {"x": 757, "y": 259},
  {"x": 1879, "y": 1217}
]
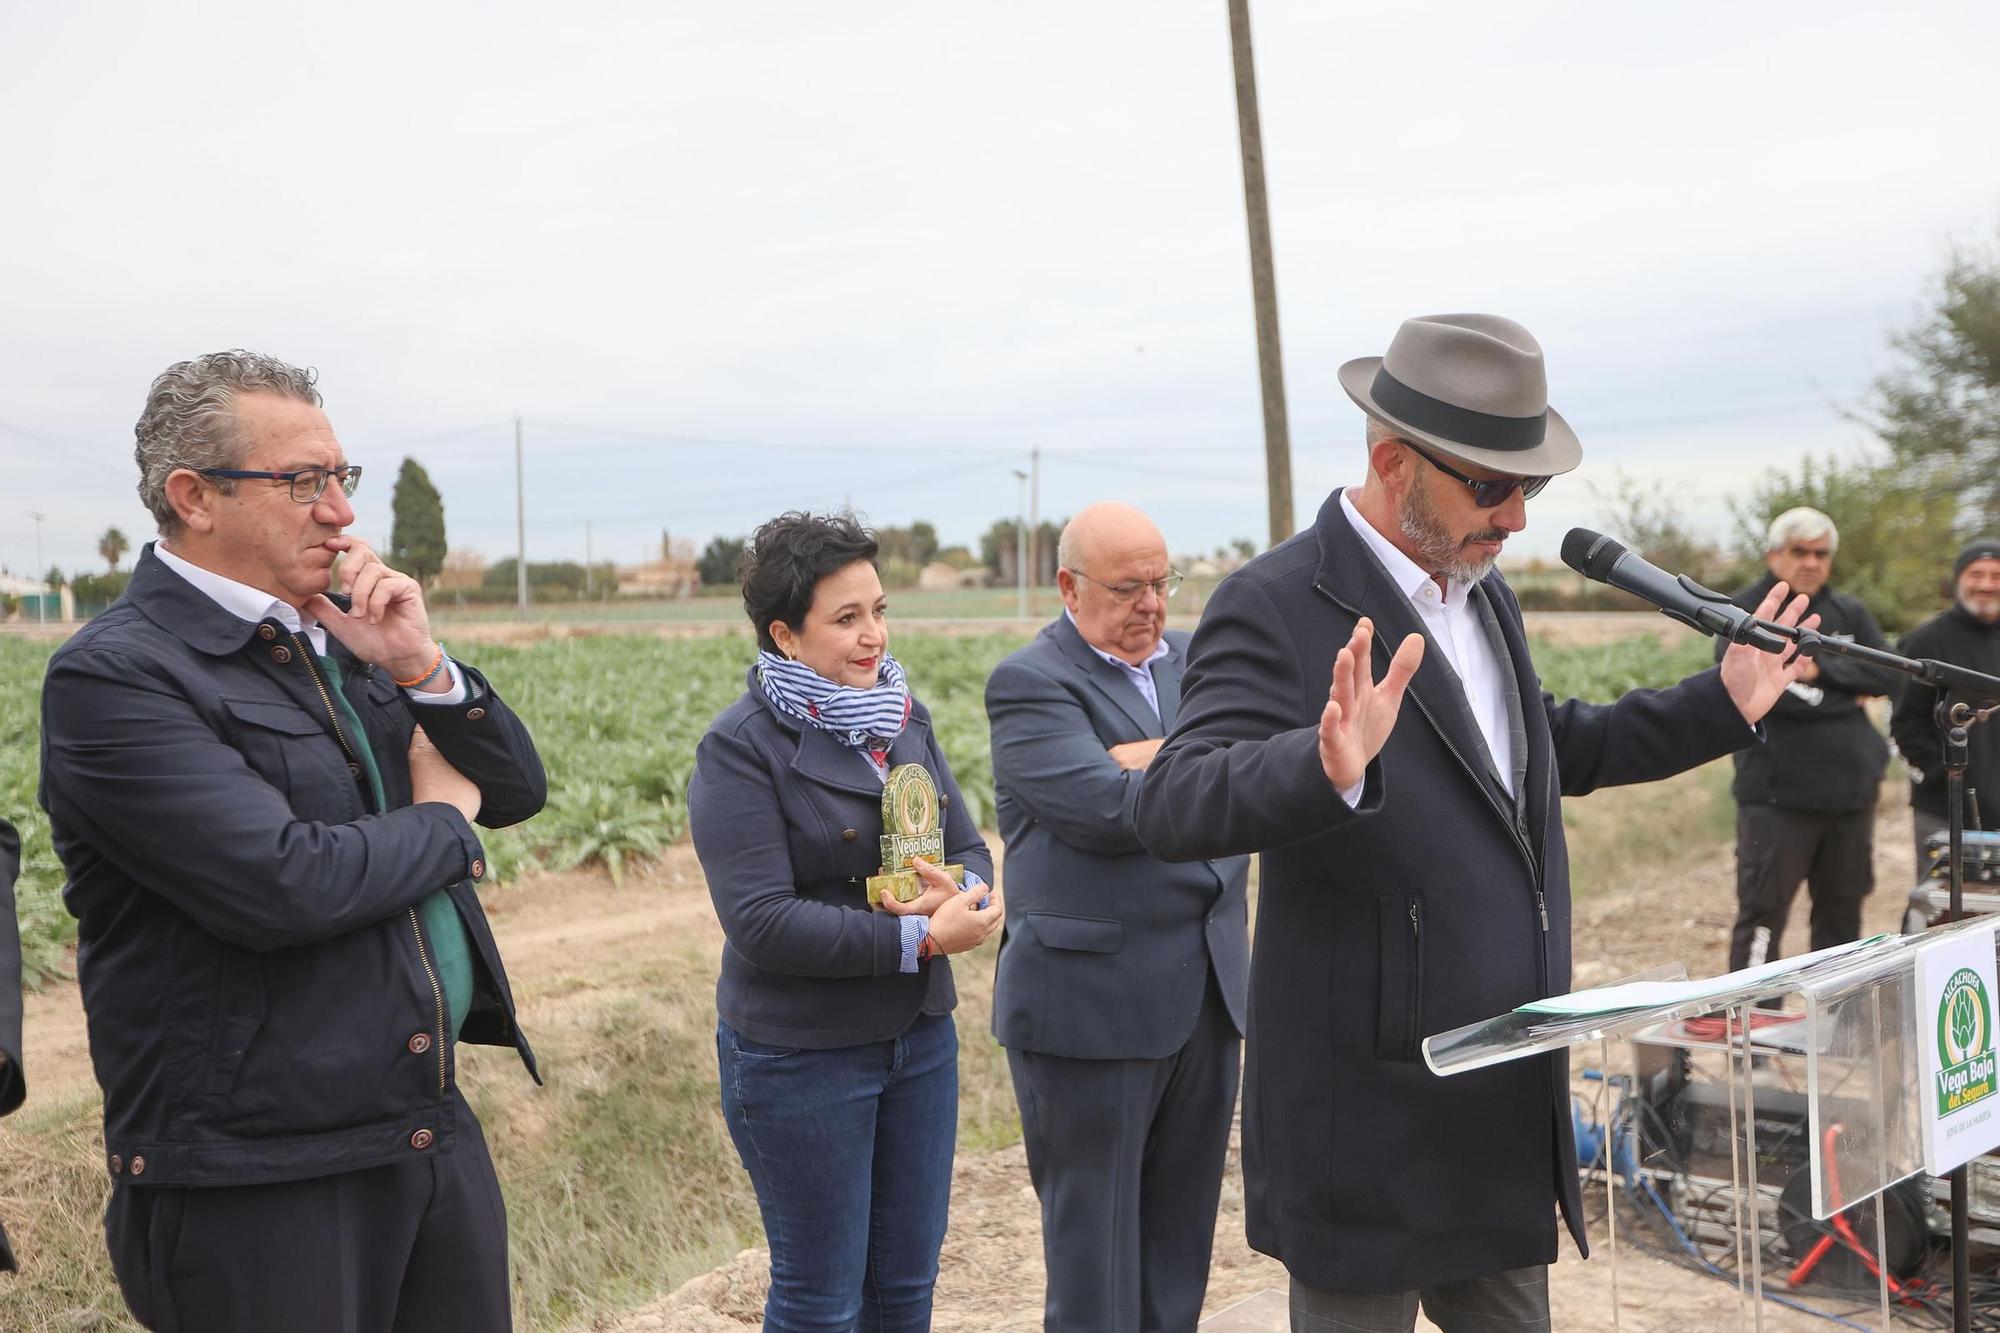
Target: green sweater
[{"x": 450, "y": 945}]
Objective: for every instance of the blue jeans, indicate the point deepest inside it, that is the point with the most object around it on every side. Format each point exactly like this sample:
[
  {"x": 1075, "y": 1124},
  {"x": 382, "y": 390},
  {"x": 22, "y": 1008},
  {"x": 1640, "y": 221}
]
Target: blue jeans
[{"x": 850, "y": 1153}]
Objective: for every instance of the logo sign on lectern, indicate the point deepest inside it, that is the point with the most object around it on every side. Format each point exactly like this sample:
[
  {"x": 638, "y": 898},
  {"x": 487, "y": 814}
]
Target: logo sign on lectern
[{"x": 1961, "y": 1093}]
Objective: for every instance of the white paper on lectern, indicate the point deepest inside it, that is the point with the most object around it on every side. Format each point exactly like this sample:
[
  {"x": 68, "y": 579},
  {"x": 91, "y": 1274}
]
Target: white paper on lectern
[
  {"x": 1961, "y": 1069},
  {"x": 1655, "y": 994}
]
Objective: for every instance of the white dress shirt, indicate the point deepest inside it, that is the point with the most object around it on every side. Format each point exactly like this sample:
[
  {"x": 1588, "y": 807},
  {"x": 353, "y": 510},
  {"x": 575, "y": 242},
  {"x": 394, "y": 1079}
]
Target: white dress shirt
[
  {"x": 1140, "y": 674},
  {"x": 255, "y": 605},
  {"x": 1454, "y": 627}
]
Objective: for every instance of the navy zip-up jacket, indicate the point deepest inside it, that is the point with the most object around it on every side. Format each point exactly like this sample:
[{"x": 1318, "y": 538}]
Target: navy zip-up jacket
[{"x": 259, "y": 992}]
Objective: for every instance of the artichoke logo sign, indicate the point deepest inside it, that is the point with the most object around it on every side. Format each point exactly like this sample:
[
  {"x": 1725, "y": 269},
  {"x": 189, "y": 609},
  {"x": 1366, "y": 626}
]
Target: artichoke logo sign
[
  {"x": 910, "y": 828},
  {"x": 1965, "y": 1043}
]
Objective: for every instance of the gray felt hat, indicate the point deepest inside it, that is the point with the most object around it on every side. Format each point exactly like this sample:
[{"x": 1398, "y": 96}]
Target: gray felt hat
[{"x": 1471, "y": 386}]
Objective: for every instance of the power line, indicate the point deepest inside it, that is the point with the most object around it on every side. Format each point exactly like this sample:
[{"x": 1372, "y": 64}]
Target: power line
[
  {"x": 709, "y": 441},
  {"x": 1213, "y": 478},
  {"x": 1722, "y": 414},
  {"x": 729, "y": 502},
  {"x": 79, "y": 448},
  {"x": 393, "y": 445}
]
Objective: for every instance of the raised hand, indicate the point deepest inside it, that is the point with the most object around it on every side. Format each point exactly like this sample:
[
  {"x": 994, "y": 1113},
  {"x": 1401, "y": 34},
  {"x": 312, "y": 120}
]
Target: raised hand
[
  {"x": 1755, "y": 678},
  {"x": 1360, "y": 710},
  {"x": 388, "y": 625}
]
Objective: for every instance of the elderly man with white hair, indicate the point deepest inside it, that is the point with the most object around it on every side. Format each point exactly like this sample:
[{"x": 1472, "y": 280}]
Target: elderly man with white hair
[{"x": 1805, "y": 800}]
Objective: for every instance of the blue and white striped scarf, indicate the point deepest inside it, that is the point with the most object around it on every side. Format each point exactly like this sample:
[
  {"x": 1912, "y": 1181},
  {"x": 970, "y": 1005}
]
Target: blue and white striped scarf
[{"x": 851, "y": 716}]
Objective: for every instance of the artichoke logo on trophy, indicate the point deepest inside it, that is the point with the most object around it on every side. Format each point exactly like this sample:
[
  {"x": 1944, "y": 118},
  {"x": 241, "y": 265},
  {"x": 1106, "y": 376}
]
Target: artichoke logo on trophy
[{"x": 910, "y": 828}]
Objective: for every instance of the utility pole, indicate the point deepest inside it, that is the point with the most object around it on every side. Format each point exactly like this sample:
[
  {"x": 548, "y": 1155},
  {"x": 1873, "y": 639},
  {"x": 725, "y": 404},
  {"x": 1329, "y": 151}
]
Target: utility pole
[
  {"x": 520, "y": 528},
  {"x": 1263, "y": 277},
  {"x": 1035, "y": 516},
  {"x": 1021, "y": 543},
  {"x": 42, "y": 602},
  {"x": 589, "y": 590}
]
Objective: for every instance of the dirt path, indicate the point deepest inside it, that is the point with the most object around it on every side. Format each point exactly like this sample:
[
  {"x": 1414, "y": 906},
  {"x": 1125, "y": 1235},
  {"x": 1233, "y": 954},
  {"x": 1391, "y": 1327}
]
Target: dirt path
[
  {"x": 579, "y": 925},
  {"x": 991, "y": 1269},
  {"x": 546, "y": 924}
]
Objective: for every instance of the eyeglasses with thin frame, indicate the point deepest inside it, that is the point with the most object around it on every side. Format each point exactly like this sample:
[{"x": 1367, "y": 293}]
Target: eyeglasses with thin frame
[
  {"x": 307, "y": 483},
  {"x": 1488, "y": 494},
  {"x": 1163, "y": 588}
]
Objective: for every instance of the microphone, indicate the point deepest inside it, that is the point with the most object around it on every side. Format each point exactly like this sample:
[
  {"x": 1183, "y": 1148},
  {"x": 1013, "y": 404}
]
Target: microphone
[{"x": 1679, "y": 597}]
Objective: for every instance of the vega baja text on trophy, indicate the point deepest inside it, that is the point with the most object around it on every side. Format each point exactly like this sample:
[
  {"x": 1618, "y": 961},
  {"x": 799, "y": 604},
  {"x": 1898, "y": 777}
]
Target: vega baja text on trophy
[{"x": 910, "y": 828}]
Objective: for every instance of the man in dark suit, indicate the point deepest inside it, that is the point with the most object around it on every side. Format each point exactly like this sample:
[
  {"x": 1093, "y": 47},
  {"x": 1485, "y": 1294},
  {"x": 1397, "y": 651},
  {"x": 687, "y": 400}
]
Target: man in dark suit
[
  {"x": 1414, "y": 878},
  {"x": 1120, "y": 989},
  {"x": 13, "y": 1080},
  {"x": 262, "y": 785}
]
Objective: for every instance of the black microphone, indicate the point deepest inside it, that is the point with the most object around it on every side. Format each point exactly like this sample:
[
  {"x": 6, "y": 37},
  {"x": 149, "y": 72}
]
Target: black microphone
[{"x": 1679, "y": 597}]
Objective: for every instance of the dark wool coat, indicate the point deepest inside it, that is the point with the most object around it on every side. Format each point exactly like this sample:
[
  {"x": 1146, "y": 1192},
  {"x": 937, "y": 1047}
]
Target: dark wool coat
[
  {"x": 1430, "y": 906},
  {"x": 13, "y": 1081}
]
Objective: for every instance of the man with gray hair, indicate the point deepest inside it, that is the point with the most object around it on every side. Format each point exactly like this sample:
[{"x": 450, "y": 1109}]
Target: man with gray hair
[
  {"x": 1805, "y": 800},
  {"x": 262, "y": 790}
]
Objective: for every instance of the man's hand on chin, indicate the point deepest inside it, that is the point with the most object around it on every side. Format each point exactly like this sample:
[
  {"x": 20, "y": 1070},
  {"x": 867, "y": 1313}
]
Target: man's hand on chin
[{"x": 388, "y": 623}]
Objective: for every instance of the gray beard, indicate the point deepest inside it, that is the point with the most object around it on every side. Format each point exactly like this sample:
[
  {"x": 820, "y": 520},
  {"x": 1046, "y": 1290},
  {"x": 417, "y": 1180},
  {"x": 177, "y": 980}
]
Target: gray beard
[
  {"x": 1438, "y": 552},
  {"x": 1986, "y": 610}
]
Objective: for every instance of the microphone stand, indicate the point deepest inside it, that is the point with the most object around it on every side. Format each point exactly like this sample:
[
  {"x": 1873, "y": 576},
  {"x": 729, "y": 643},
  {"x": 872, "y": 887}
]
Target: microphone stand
[{"x": 1955, "y": 719}]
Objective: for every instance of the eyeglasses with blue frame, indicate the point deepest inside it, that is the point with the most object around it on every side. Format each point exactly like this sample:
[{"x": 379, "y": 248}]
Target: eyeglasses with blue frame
[{"x": 307, "y": 483}]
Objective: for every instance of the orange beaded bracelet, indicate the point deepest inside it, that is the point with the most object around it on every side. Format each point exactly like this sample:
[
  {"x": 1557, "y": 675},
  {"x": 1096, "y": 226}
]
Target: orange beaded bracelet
[{"x": 436, "y": 662}]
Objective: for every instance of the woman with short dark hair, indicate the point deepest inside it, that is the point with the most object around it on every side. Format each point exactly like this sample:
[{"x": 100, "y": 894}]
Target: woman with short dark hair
[{"x": 838, "y": 1055}]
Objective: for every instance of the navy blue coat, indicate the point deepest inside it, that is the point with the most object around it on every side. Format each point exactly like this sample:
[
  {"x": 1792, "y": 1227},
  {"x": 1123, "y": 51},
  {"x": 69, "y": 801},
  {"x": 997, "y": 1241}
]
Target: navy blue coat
[
  {"x": 258, "y": 989},
  {"x": 786, "y": 820},
  {"x": 1108, "y": 949},
  {"x": 1427, "y": 908},
  {"x": 13, "y": 1079}
]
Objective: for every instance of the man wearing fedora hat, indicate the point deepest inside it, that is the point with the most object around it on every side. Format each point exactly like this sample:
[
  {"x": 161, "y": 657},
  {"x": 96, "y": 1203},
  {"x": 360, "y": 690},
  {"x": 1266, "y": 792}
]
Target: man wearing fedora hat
[{"x": 1414, "y": 877}]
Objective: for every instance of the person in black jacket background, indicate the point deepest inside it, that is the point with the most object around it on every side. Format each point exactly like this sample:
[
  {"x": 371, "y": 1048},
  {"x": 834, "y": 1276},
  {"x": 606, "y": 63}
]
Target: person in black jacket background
[
  {"x": 1967, "y": 635},
  {"x": 13, "y": 1079},
  {"x": 263, "y": 791},
  {"x": 1805, "y": 800}
]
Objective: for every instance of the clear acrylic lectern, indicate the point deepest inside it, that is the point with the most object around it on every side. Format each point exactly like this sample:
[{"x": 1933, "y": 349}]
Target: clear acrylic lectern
[{"x": 1861, "y": 1050}]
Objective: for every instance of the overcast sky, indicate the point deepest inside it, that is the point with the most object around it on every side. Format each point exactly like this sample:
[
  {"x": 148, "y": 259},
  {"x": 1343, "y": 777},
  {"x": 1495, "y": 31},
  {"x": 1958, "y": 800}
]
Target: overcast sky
[{"x": 731, "y": 259}]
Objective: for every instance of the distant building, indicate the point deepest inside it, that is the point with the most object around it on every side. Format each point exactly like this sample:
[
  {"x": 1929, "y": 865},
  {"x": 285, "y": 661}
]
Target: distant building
[
  {"x": 939, "y": 576},
  {"x": 676, "y": 577}
]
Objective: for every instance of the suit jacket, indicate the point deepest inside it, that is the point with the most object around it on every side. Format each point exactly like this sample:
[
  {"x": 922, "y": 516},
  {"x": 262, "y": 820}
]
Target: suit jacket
[
  {"x": 786, "y": 821},
  {"x": 1108, "y": 949},
  {"x": 1439, "y": 901}
]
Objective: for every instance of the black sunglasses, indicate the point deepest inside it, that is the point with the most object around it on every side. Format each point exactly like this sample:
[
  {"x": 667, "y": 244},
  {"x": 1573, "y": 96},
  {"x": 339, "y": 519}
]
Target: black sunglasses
[{"x": 1486, "y": 494}]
